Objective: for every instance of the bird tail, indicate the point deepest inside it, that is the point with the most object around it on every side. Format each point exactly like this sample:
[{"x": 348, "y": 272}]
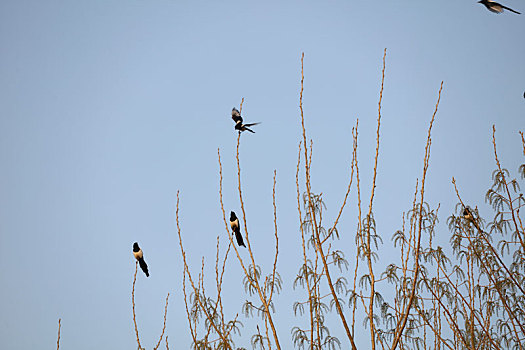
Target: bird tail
[
  {"x": 511, "y": 10},
  {"x": 144, "y": 266},
  {"x": 240, "y": 242},
  {"x": 246, "y": 127}
]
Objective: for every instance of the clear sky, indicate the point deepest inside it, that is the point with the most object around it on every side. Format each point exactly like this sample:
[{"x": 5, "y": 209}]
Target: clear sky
[{"x": 107, "y": 108}]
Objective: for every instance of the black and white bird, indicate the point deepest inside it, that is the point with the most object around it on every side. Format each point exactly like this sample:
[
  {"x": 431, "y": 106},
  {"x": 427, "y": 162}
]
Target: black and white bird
[
  {"x": 234, "y": 223},
  {"x": 236, "y": 116},
  {"x": 137, "y": 252},
  {"x": 496, "y": 7},
  {"x": 467, "y": 215}
]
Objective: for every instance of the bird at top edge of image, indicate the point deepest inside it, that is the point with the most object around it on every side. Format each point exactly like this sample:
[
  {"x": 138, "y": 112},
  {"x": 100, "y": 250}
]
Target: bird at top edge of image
[{"x": 496, "y": 7}]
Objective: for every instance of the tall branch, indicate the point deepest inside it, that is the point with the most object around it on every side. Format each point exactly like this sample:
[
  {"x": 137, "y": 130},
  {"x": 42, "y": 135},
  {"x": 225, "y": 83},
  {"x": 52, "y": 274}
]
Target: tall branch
[
  {"x": 260, "y": 292},
  {"x": 368, "y": 217},
  {"x": 133, "y": 306},
  {"x": 402, "y": 322},
  {"x": 314, "y": 219}
]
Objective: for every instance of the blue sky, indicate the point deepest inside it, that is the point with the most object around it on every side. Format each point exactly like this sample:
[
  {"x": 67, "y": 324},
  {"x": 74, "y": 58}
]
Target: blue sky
[{"x": 107, "y": 108}]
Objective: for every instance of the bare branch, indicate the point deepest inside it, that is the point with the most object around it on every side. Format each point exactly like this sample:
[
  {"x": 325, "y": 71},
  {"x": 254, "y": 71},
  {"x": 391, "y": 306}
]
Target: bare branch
[
  {"x": 164, "y": 324},
  {"x": 58, "y": 339},
  {"x": 402, "y": 323},
  {"x": 133, "y": 304}
]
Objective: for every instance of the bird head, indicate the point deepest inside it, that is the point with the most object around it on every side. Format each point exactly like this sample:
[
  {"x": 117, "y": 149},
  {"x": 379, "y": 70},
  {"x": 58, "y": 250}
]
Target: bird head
[
  {"x": 232, "y": 216},
  {"x": 136, "y": 247}
]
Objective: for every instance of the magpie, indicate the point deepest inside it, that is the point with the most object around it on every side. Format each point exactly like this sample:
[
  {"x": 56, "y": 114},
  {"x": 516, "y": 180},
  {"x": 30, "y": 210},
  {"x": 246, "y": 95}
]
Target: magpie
[
  {"x": 467, "y": 215},
  {"x": 137, "y": 252},
  {"x": 234, "y": 223},
  {"x": 496, "y": 7},
  {"x": 236, "y": 116}
]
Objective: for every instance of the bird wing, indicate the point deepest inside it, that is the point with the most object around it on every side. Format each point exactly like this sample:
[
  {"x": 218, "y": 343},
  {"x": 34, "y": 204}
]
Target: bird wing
[
  {"x": 236, "y": 115},
  {"x": 494, "y": 7}
]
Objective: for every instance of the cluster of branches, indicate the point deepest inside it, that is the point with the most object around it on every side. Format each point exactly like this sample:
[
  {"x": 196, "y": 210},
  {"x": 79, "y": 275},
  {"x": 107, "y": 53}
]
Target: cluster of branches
[
  {"x": 216, "y": 331},
  {"x": 470, "y": 295},
  {"x": 362, "y": 294},
  {"x": 471, "y": 299}
]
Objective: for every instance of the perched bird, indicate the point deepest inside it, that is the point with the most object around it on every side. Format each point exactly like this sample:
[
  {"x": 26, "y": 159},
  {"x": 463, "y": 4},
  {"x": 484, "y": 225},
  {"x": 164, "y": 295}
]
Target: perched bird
[
  {"x": 496, "y": 7},
  {"x": 137, "y": 252},
  {"x": 467, "y": 215},
  {"x": 236, "y": 116},
  {"x": 234, "y": 223}
]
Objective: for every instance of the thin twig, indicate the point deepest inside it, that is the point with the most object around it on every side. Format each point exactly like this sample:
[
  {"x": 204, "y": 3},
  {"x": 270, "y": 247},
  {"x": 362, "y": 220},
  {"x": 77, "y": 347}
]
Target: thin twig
[
  {"x": 58, "y": 339},
  {"x": 276, "y": 237},
  {"x": 368, "y": 217},
  {"x": 192, "y": 331},
  {"x": 359, "y": 241},
  {"x": 164, "y": 325},
  {"x": 133, "y": 304},
  {"x": 354, "y": 154}
]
